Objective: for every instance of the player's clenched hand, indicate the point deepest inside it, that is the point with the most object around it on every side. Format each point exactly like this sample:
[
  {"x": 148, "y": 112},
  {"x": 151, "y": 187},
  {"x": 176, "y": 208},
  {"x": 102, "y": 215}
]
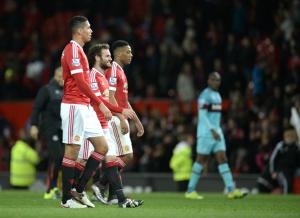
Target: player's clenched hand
[
  {"x": 216, "y": 136},
  {"x": 140, "y": 128},
  {"x": 129, "y": 113},
  {"x": 107, "y": 114},
  {"x": 124, "y": 126}
]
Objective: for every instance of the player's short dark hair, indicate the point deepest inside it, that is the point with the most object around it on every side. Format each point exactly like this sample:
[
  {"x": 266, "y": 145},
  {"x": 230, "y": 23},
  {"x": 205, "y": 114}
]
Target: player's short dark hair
[
  {"x": 289, "y": 128},
  {"x": 94, "y": 50},
  {"x": 76, "y": 22},
  {"x": 118, "y": 44}
]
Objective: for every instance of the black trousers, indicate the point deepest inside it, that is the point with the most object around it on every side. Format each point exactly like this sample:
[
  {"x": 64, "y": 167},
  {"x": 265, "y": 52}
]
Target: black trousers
[
  {"x": 182, "y": 185},
  {"x": 55, "y": 148},
  {"x": 284, "y": 181}
]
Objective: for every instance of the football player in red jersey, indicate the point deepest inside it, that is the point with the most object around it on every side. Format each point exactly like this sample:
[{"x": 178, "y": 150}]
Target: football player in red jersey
[
  {"x": 79, "y": 120},
  {"x": 118, "y": 95},
  {"x": 100, "y": 59}
]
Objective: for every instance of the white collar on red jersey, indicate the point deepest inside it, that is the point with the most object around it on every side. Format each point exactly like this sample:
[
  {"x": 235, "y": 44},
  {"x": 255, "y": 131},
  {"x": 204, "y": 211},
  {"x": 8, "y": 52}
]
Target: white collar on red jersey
[
  {"x": 73, "y": 41},
  {"x": 117, "y": 64},
  {"x": 101, "y": 71}
]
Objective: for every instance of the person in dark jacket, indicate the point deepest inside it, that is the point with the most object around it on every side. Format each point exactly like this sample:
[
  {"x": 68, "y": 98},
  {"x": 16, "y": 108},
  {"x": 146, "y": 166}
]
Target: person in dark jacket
[
  {"x": 282, "y": 165},
  {"x": 46, "y": 126}
]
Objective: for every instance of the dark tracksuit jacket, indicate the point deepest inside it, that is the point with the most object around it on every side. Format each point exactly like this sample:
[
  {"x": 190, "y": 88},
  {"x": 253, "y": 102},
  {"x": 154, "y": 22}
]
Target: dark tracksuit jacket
[
  {"x": 284, "y": 161},
  {"x": 46, "y": 115}
]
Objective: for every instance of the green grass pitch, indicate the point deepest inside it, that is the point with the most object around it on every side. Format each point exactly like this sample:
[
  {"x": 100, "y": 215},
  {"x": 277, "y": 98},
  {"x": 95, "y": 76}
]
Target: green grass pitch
[{"x": 19, "y": 204}]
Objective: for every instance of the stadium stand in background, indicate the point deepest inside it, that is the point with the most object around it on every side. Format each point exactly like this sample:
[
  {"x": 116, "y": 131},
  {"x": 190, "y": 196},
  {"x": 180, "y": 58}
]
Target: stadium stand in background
[{"x": 254, "y": 45}]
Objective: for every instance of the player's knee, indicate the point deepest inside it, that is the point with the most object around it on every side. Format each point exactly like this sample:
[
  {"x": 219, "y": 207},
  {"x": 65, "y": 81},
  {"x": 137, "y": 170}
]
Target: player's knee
[
  {"x": 221, "y": 157},
  {"x": 201, "y": 159},
  {"x": 128, "y": 158},
  {"x": 103, "y": 149},
  {"x": 110, "y": 158},
  {"x": 222, "y": 160},
  {"x": 71, "y": 151}
]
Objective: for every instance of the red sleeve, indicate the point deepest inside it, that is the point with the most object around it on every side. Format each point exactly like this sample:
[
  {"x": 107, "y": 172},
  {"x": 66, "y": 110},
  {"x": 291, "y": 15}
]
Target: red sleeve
[
  {"x": 111, "y": 76},
  {"x": 110, "y": 106},
  {"x": 85, "y": 88},
  {"x": 113, "y": 108},
  {"x": 73, "y": 59}
]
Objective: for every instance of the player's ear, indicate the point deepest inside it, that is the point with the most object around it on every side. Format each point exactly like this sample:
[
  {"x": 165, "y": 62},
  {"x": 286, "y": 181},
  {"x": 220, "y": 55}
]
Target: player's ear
[{"x": 79, "y": 30}]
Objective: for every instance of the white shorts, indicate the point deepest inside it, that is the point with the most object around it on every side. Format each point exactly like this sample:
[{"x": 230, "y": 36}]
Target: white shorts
[
  {"x": 112, "y": 146},
  {"x": 78, "y": 123},
  {"x": 87, "y": 148},
  {"x": 123, "y": 142}
]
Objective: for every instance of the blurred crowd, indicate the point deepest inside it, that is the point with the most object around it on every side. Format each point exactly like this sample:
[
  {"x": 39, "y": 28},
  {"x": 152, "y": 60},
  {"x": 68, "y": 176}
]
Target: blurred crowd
[{"x": 253, "y": 44}]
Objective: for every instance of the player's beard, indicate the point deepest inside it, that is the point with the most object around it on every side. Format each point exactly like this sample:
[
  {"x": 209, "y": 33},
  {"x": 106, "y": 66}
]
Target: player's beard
[{"x": 105, "y": 66}]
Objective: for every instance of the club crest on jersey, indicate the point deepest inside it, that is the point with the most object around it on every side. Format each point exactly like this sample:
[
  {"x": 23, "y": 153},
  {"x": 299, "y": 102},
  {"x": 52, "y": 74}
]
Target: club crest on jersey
[
  {"x": 77, "y": 138},
  {"x": 75, "y": 62},
  {"x": 126, "y": 86},
  {"x": 94, "y": 86},
  {"x": 126, "y": 148},
  {"x": 113, "y": 81}
]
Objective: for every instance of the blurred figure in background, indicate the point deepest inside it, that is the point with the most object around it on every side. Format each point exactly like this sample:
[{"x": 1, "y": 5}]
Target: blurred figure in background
[
  {"x": 283, "y": 163},
  {"x": 23, "y": 162},
  {"x": 46, "y": 125},
  {"x": 295, "y": 116},
  {"x": 185, "y": 84},
  {"x": 6, "y": 142},
  {"x": 181, "y": 161}
]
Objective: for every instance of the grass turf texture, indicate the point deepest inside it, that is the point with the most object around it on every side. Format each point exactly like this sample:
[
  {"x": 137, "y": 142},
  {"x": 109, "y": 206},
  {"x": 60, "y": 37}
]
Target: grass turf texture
[{"x": 19, "y": 204}]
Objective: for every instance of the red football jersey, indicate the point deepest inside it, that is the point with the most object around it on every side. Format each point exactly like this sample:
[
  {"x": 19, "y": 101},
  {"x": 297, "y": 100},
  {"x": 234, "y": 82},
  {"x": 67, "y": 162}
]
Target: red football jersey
[
  {"x": 118, "y": 82},
  {"x": 74, "y": 60},
  {"x": 99, "y": 85}
]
